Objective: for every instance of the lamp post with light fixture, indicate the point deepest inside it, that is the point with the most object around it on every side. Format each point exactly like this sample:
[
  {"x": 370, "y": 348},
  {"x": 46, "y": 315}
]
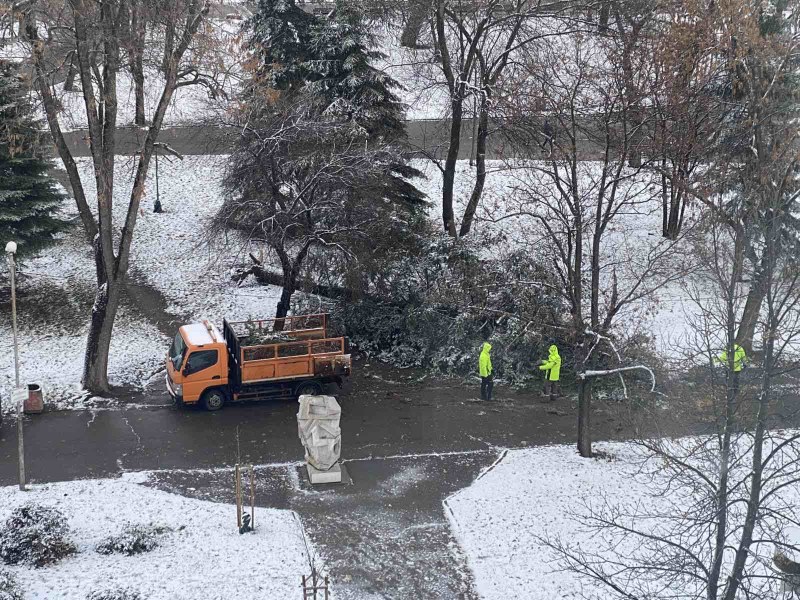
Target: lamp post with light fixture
[{"x": 11, "y": 251}]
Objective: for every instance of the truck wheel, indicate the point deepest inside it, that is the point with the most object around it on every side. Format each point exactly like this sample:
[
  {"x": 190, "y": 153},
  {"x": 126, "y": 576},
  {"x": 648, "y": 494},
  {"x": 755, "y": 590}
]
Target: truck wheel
[
  {"x": 213, "y": 399},
  {"x": 308, "y": 388}
]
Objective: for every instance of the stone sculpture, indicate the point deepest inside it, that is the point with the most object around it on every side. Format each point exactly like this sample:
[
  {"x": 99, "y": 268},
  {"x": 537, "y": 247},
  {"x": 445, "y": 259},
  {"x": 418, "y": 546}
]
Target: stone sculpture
[{"x": 318, "y": 428}]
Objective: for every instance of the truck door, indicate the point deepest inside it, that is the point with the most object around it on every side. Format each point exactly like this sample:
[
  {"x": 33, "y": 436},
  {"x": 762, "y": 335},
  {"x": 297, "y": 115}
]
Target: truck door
[{"x": 200, "y": 373}]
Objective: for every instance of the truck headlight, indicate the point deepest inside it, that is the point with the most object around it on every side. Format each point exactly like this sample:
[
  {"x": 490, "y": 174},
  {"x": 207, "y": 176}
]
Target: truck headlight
[{"x": 178, "y": 388}]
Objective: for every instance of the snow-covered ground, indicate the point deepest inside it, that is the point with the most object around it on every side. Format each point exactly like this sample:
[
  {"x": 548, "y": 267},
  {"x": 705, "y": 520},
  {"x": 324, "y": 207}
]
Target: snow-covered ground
[
  {"x": 178, "y": 252},
  {"x": 56, "y": 292},
  {"x": 170, "y": 252},
  {"x": 203, "y": 556},
  {"x": 538, "y": 494}
]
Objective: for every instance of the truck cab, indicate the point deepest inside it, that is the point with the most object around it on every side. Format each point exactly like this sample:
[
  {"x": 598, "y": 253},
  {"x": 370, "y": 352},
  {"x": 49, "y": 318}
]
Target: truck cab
[{"x": 197, "y": 366}]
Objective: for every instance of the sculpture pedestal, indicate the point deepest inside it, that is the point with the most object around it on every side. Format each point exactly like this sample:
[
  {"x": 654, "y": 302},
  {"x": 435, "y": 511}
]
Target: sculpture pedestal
[{"x": 332, "y": 475}]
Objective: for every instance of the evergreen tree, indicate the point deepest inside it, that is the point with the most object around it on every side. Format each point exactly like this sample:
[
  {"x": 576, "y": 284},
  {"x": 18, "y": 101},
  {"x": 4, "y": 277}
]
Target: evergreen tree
[
  {"x": 280, "y": 33},
  {"x": 343, "y": 74},
  {"x": 28, "y": 198},
  {"x": 332, "y": 59}
]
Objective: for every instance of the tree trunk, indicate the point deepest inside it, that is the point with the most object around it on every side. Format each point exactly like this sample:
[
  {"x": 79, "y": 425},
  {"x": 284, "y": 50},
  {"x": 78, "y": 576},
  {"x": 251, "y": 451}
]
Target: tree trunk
[
  {"x": 169, "y": 45},
  {"x": 417, "y": 14},
  {"x": 104, "y": 311},
  {"x": 138, "y": 80},
  {"x": 584, "y": 418},
  {"x": 480, "y": 170},
  {"x": 136, "y": 63},
  {"x": 605, "y": 14},
  {"x": 449, "y": 175},
  {"x": 72, "y": 72},
  {"x": 283, "y": 305},
  {"x": 752, "y": 310}
]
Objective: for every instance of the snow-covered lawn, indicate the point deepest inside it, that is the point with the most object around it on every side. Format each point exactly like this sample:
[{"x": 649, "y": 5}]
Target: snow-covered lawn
[
  {"x": 204, "y": 556},
  {"x": 177, "y": 252},
  {"x": 56, "y": 292},
  {"x": 170, "y": 253},
  {"x": 501, "y": 520},
  {"x": 508, "y": 214}
]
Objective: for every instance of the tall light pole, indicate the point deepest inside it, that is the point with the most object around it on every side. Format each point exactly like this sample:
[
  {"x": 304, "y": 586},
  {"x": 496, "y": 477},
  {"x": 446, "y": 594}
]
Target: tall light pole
[{"x": 11, "y": 250}]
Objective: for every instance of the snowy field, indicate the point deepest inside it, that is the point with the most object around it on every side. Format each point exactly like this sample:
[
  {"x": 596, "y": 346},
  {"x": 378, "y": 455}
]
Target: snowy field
[
  {"x": 203, "y": 556},
  {"x": 533, "y": 494},
  {"x": 177, "y": 252}
]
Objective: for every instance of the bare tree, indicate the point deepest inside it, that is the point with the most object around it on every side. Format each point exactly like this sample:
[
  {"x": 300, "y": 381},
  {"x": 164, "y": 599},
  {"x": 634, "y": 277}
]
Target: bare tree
[
  {"x": 475, "y": 42},
  {"x": 580, "y": 208},
  {"x": 686, "y": 114},
  {"x": 95, "y": 30},
  {"x": 301, "y": 182},
  {"x": 727, "y": 499},
  {"x": 721, "y": 504}
]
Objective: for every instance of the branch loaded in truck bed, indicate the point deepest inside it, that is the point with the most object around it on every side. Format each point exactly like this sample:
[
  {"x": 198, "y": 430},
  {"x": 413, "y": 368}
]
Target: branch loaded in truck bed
[{"x": 307, "y": 354}]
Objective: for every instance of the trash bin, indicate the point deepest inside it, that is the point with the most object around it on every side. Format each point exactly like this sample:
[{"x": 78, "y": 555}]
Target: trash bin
[{"x": 34, "y": 401}]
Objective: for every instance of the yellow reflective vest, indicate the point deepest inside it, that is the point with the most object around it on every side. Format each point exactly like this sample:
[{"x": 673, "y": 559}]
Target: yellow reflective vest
[
  {"x": 739, "y": 357},
  {"x": 485, "y": 360},
  {"x": 552, "y": 365}
]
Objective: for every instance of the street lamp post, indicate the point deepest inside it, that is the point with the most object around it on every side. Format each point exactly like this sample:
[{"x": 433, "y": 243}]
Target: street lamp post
[{"x": 11, "y": 250}]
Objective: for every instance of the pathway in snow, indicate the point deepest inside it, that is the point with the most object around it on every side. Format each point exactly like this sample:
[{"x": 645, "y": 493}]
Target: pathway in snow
[{"x": 383, "y": 537}]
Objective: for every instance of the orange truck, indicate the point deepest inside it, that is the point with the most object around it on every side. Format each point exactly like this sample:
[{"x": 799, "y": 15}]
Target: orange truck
[{"x": 277, "y": 358}]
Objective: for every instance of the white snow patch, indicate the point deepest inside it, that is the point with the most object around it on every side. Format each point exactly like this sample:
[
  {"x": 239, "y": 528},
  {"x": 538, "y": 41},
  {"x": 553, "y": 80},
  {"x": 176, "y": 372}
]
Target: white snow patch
[
  {"x": 204, "y": 556},
  {"x": 171, "y": 249},
  {"x": 538, "y": 493}
]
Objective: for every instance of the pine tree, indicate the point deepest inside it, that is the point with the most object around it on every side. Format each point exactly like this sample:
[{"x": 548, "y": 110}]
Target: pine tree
[
  {"x": 343, "y": 75},
  {"x": 29, "y": 199},
  {"x": 331, "y": 58}
]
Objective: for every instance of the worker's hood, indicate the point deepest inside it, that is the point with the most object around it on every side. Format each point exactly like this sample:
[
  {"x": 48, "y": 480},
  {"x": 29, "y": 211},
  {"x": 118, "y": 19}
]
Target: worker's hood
[
  {"x": 553, "y": 350},
  {"x": 486, "y": 347}
]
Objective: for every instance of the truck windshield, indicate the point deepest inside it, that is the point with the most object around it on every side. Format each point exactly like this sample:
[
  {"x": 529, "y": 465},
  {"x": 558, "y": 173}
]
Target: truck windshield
[{"x": 177, "y": 351}]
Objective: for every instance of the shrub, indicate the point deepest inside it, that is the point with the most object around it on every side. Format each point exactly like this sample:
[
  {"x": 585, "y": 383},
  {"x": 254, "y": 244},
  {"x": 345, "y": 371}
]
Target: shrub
[
  {"x": 35, "y": 535},
  {"x": 9, "y": 590},
  {"x": 115, "y": 594},
  {"x": 134, "y": 539}
]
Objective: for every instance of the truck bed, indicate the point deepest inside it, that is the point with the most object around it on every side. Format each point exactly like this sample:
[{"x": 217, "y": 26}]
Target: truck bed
[{"x": 306, "y": 358}]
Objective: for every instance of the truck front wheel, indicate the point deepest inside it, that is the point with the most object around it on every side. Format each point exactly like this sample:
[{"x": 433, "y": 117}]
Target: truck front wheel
[{"x": 213, "y": 399}]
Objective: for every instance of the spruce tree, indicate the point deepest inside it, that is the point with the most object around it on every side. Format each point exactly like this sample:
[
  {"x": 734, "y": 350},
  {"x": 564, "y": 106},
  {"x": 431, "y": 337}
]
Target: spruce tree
[
  {"x": 331, "y": 58},
  {"x": 29, "y": 199},
  {"x": 343, "y": 74}
]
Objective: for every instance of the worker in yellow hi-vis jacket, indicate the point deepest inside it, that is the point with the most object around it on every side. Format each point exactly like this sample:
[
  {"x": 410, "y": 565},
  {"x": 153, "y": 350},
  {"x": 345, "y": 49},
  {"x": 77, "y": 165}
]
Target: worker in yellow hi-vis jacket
[
  {"x": 739, "y": 358},
  {"x": 552, "y": 372},
  {"x": 485, "y": 371}
]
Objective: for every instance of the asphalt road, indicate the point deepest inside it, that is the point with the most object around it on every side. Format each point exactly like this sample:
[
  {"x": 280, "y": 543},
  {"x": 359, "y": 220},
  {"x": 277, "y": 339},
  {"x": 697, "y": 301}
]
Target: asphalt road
[
  {"x": 427, "y": 137},
  {"x": 408, "y": 444},
  {"x": 382, "y": 416}
]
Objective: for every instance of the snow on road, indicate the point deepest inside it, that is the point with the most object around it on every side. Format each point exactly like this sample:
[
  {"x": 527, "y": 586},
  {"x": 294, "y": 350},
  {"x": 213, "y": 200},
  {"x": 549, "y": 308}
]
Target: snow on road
[{"x": 204, "y": 556}]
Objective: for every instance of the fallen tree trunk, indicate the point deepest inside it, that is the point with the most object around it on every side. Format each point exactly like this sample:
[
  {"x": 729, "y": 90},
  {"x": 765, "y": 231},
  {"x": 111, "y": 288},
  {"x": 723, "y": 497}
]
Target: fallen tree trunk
[{"x": 265, "y": 276}]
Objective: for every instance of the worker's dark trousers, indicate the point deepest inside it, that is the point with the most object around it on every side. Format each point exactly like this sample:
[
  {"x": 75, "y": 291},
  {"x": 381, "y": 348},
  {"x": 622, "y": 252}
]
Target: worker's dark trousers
[
  {"x": 552, "y": 389},
  {"x": 487, "y": 383}
]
